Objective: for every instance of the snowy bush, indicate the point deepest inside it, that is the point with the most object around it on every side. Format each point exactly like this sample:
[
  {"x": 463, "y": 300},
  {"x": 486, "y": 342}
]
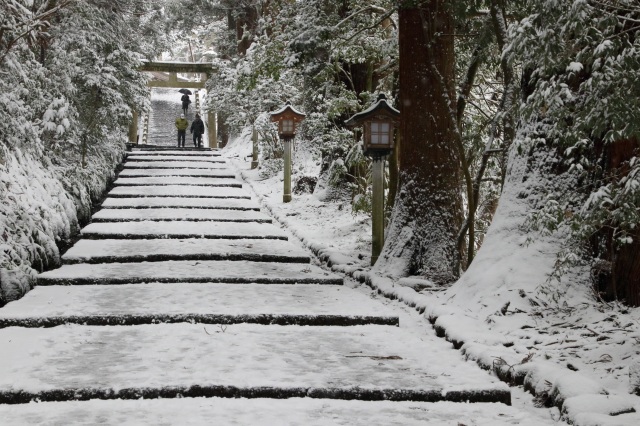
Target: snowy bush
[
  {"x": 581, "y": 127},
  {"x": 67, "y": 87}
]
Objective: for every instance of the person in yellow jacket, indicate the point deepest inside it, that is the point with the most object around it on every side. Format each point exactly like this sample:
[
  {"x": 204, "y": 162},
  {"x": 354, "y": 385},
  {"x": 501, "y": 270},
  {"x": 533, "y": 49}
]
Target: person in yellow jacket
[{"x": 181, "y": 125}]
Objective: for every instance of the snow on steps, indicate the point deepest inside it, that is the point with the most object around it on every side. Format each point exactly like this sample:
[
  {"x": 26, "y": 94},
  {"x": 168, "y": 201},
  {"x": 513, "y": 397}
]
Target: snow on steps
[
  {"x": 179, "y": 214},
  {"x": 216, "y": 230},
  {"x": 198, "y": 158},
  {"x": 213, "y": 173},
  {"x": 173, "y": 152},
  {"x": 162, "y": 150},
  {"x": 205, "y": 271},
  {"x": 109, "y": 251},
  {"x": 242, "y": 360},
  {"x": 177, "y": 180},
  {"x": 177, "y": 191},
  {"x": 179, "y": 202},
  {"x": 280, "y": 304},
  {"x": 176, "y": 164},
  {"x": 242, "y": 412}
]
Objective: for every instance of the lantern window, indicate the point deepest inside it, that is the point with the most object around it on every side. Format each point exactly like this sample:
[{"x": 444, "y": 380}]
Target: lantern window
[
  {"x": 287, "y": 126},
  {"x": 379, "y": 133}
]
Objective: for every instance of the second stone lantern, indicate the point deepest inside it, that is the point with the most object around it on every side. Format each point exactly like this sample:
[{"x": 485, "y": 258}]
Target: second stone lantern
[
  {"x": 378, "y": 121},
  {"x": 287, "y": 118}
]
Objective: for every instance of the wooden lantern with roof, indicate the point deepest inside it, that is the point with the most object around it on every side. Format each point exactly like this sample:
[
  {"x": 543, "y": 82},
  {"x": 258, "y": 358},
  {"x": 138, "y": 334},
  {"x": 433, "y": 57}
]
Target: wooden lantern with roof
[
  {"x": 378, "y": 121},
  {"x": 287, "y": 118}
]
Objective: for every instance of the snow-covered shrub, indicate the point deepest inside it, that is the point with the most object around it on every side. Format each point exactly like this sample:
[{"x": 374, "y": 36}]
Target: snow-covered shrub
[
  {"x": 66, "y": 102},
  {"x": 271, "y": 167},
  {"x": 581, "y": 122},
  {"x": 305, "y": 185}
]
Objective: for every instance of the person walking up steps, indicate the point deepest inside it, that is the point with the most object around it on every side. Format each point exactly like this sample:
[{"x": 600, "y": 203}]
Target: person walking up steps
[
  {"x": 181, "y": 125},
  {"x": 197, "y": 128},
  {"x": 185, "y": 103}
]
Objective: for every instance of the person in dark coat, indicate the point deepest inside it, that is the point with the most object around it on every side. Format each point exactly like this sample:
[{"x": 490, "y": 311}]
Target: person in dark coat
[
  {"x": 181, "y": 126},
  {"x": 197, "y": 128},
  {"x": 185, "y": 103}
]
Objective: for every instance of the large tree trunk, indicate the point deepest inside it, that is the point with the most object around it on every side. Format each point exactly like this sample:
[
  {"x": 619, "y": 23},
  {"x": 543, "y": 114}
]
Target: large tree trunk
[
  {"x": 245, "y": 29},
  {"x": 427, "y": 214}
]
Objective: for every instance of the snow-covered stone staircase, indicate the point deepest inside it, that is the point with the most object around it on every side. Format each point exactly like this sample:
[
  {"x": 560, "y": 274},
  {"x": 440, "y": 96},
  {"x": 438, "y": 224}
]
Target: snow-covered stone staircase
[{"x": 182, "y": 288}]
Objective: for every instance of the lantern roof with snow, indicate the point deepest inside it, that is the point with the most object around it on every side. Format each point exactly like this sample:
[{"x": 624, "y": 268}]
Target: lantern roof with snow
[
  {"x": 287, "y": 111},
  {"x": 287, "y": 118},
  {"x": 379, "y": 108}
]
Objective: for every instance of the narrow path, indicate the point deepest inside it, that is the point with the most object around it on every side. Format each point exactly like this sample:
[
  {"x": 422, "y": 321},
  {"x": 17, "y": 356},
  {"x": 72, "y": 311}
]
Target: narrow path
[{"x": 182, "y": 289}]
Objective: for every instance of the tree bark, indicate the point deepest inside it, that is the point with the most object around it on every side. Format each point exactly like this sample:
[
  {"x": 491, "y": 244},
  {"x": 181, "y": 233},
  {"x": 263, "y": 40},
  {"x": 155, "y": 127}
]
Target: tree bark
[
  {"x": 427, "y": 215},
  {"x": 624, "y": 281},
  {"x": 246, "y": 25}
]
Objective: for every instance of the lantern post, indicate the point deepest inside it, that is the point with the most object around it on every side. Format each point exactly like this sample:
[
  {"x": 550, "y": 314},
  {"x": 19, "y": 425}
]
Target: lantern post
[
  {"x": 287, "y": 118},
  {"x": 378, "y": 122},
  {"x": 254, "y": 145},
  {"x": 133, "y": 128}
]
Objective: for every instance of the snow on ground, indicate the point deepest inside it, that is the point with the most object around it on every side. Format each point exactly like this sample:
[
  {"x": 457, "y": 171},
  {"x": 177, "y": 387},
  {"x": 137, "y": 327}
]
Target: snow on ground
[
  {"x": 329, "y": 227},
  {"x": 241, "y": 411},
  {"x": 577, "y": 349}
]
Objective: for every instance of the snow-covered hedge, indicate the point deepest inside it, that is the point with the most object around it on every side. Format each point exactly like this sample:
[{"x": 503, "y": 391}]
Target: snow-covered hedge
[{"x": 68, "y": 83}]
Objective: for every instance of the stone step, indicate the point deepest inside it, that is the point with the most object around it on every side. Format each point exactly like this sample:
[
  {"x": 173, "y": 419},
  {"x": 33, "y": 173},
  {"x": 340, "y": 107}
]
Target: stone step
[
  {"x": 177, "y": 180},
  {"x": 173, "y": 151},
  {"x": 238, "y": 204},
  {"x": 121, "y": 251},
  {"x": 279, "y": 304},
  {"x": 176, "y": 230},
  {"x": 178, "y": 191},
  {"x": 173, "y": 165},
  {"x": 160, "y": 148},
  {"x": 264, "y": 411},
  {"x": 189, "y": 215},
  {"x": 192, "y": 271},
  {"x": 213, "y": 173},
  {"x": 366, "y": 362},
  {"x": 159, "y": 158}
]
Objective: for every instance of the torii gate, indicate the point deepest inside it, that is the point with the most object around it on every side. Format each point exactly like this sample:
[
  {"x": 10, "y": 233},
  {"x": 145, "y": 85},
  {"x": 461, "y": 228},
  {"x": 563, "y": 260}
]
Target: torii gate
[{"x": 173, "y": 68}]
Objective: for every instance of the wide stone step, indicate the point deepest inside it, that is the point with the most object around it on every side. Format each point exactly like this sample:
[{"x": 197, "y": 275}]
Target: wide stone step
[
  {"x": 370, "y": 362},
  {"x": 198, "y": 158},
  {"x": 264, "y": 411},
  {"x": 178, "y": 191},
  {"x": 193, "y": 271},
  {"x": 173, "y": 165},
  {"x": 109, "y": 251},
  {"x": 190, "y": 215},
  {"x": 212, "y": 173},
  {"x": 279, "y": 304},
  {"x": 177, "y": 202},
  {"x": 177, "y": 180},
  {"x": 174, "y": 152},
  {"x": 142, "y": 148},
  {"x": 150, "y": 229}
]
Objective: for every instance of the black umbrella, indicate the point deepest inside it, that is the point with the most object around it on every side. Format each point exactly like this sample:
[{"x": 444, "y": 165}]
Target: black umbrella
[{"x": 185, "y": 91}]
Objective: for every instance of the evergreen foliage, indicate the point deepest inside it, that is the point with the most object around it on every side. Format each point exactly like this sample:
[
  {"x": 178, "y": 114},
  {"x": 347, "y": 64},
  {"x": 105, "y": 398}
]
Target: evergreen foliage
[
  {"x": 581, "y": 126},
  {"x": 68, "y": 84}
]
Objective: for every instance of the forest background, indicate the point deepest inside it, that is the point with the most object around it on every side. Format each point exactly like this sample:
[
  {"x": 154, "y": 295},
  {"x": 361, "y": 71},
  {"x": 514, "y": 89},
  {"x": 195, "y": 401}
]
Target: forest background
[{"x": 533, "y": 106}]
